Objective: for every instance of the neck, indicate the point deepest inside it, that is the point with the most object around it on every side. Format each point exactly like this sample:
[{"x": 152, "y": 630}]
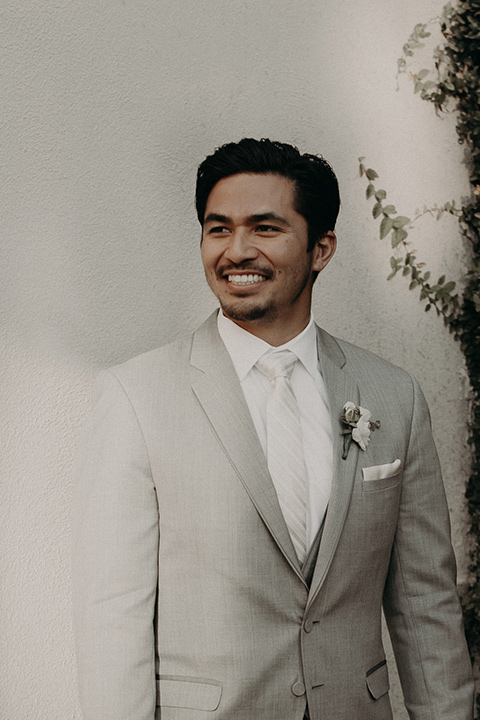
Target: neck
[{"x": 274, "y": 334}]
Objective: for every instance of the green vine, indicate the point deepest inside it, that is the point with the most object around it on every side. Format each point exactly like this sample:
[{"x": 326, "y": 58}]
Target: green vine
[
  {"x": 453, "y": 85},
  {"x": 438, "y": 295},
  {"x": 441, "y": 89}
]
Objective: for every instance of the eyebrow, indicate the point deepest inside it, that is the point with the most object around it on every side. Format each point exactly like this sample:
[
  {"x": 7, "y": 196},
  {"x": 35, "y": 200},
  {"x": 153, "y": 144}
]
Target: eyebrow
[
  {"x": 251, "y": 220},
  {"x": 213, "y": 217},
  {"x": 268, "y": 216}
]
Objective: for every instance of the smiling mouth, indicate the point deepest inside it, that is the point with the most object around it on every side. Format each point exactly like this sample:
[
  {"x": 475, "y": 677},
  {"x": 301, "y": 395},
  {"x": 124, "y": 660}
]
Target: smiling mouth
[{"x": 245, "y": 279}]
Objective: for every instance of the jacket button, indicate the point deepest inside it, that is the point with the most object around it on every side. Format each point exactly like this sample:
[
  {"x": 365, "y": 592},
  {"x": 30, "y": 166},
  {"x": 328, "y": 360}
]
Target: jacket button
[
  {"x": 298, "y": 689},
  {"x": 308, "y": 625}
]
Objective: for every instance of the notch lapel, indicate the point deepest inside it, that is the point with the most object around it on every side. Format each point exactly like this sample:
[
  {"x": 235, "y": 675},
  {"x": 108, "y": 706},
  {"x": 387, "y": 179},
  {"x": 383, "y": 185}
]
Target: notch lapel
[
  {"x": 340, "y": 387},
  {"x": 217, "y": 388}
]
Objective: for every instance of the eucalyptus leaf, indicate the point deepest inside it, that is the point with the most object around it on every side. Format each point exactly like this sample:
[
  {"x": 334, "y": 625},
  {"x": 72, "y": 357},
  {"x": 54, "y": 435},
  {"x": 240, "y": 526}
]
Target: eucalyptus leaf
[
  {"x": 401, "y": 221},
  {"x": 398, "y": 236},
  {"x": 385, "y": 227},
  {"x": 389, "y": 210},
  {"x": 371, "y": 174}
]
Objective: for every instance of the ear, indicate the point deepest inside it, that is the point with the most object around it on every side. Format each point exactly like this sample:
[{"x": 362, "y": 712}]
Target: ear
[{"x": 324, "y": 251}]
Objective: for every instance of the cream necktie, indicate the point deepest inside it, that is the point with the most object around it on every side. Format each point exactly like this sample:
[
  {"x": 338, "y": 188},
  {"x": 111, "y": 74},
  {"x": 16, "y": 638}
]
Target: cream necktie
[{"x": 285, "y": 456}]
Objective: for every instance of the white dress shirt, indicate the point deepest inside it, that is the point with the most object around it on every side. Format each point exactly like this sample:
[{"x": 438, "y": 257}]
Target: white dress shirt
[{"x": 307, "y": 383}]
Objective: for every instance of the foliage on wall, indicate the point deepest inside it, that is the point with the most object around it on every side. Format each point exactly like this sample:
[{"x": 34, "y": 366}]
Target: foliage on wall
[
  {"x": 439, "y": 295},
  {"x": 454, "y": 84}
]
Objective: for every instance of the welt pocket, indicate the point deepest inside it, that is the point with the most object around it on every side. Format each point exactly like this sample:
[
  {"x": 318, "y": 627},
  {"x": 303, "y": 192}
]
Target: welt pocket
[
  {"x": 369, "y": 486},
  {"x": 380, "y": 477},
  {"x": 377, "y": 680},
  {"x": 379, "y": 472},
  {"x": 188, "y": 692}
]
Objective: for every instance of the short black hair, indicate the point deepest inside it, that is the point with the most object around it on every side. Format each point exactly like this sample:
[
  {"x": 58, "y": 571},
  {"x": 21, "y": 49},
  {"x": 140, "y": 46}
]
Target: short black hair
[{"x": 317, "y": 196}]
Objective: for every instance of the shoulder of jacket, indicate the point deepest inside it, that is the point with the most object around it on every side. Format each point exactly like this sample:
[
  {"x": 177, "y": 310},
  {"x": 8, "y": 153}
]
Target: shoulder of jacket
[
  {"x": 160, "y": 362},
  {"x": 361, "y": 362}
]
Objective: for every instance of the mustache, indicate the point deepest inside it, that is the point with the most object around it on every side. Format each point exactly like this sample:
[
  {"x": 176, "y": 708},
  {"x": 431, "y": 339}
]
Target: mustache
[{"x": 246, "y": 266}]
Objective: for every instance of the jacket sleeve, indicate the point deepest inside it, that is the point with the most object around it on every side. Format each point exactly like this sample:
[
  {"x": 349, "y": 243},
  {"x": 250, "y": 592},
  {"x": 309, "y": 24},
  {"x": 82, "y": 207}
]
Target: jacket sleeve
[
  {"x": 420, "y": 601},
  {"x": 115, "y": 551}
]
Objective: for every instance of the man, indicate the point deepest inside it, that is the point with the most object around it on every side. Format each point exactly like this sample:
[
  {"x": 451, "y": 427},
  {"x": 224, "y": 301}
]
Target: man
[{"x": 238, "y": 526}]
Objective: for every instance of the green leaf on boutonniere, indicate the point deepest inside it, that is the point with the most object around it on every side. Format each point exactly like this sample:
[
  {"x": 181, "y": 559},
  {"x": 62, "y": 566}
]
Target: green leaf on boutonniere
[{"x": 347, "y": 441}]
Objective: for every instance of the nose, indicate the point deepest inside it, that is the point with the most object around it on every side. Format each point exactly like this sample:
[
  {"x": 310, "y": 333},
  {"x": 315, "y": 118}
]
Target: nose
[{"x": 240, "y": 247}]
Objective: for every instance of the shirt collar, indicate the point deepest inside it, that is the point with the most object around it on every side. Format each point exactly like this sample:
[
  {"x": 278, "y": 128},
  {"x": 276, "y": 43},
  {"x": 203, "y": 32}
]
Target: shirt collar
[{"x": 245, "y": 349}]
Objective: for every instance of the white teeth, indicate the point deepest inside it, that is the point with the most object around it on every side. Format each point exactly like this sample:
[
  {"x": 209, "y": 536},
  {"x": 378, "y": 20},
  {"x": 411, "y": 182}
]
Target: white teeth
[{"x": 245, "y": 279}]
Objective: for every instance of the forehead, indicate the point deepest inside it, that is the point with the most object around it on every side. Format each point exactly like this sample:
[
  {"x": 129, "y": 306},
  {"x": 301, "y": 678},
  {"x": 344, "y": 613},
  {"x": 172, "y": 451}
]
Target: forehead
[{"x": 250, "y": 194}]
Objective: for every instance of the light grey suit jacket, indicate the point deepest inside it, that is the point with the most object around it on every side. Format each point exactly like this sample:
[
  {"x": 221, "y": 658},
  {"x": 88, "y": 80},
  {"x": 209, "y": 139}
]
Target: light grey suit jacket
[{"x": 189, "y": 601}]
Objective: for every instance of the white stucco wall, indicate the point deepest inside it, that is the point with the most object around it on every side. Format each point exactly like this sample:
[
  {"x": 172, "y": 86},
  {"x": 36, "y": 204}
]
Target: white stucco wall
[{"x": 107, "y": 109}]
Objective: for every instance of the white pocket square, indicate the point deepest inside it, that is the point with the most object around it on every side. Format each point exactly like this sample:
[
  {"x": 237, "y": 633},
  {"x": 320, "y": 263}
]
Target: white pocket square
[{"x": 381, "y": 472}]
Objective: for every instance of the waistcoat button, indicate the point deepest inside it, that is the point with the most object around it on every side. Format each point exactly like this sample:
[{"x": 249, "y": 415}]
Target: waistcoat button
[
  {"x": 308, "y": 625},
  {"x": 298, "y": 689}
]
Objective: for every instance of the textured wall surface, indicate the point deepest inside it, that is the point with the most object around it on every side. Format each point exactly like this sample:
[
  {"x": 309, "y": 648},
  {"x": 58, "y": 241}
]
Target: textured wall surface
[{"x": 107, "y": 109}]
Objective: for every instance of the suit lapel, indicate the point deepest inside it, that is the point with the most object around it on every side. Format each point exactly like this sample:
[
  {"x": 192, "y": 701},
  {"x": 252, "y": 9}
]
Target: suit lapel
[
  {"x": 341, "y": 388},
  {"x": 216, "y": 386}
]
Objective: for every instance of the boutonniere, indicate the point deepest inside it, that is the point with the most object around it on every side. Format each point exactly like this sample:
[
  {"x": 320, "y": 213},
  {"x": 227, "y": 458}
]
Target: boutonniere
[{"x": 358, "y": 426}]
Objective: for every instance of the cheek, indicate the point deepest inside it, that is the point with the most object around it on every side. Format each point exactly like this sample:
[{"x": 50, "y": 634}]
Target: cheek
[{"x": 208, "y": 257}]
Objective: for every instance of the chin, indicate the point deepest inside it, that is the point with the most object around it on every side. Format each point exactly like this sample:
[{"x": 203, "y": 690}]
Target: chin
[{"x": 249, "y": 314}]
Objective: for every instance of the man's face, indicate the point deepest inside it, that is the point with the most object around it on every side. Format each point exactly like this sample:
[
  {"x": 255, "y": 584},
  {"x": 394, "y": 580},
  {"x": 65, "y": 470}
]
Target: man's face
[{"x": 254, "y": 251}]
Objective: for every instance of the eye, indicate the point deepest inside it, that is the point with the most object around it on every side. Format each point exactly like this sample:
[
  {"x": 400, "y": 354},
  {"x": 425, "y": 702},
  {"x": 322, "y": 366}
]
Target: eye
[
  {"x": 218, "y": 230},
  {"x": 268, "y": 229}
]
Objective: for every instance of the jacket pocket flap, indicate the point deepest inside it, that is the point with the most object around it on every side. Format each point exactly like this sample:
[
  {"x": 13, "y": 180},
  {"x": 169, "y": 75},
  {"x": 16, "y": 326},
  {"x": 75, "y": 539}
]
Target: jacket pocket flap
[
  {"x": 377, "y": 680},
  {"x": 181, "y": 692}
]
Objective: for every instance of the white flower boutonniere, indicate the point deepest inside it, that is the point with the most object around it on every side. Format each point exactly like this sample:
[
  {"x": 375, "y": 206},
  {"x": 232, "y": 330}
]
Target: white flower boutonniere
[{"x": 358, "y": 426}]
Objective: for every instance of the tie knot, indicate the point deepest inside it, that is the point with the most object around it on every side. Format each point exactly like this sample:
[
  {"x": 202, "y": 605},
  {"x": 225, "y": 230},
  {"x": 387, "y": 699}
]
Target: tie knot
[{"x": 277, "y": 364}]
